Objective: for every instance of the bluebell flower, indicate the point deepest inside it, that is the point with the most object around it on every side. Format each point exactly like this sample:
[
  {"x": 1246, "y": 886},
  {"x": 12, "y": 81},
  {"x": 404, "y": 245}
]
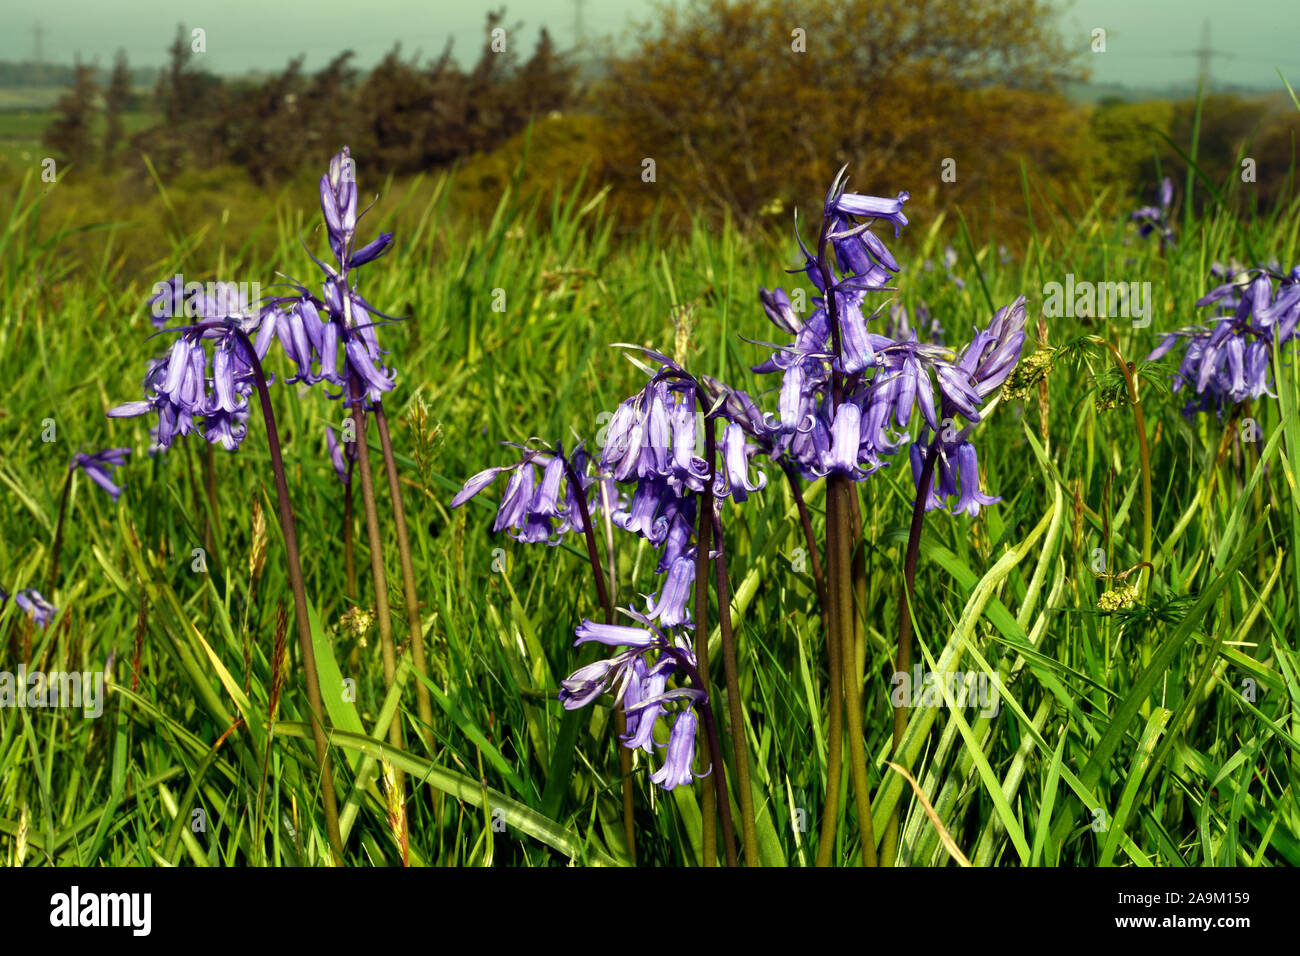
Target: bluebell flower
[
  {"x": 676, "y": 769},
  {"x": 1156, "y": 218},
  {"x": 679, "y": 517},
  {"x": 644, "y": 684},
  {"x": 536, "y": 509},
  {"x": 638, "y": 436},
  {"x": 669, "y": 607},
  {"x": 991, "y": 355},
  {"x": 732, "y": 479},
  {"x": 643, "y": 514},
  {"x": 613, "y": 635},
  {"x": 971, "y": 498},
  {"x": 1228, "y": 361},
  {"x": 950, "y": 259},
  {"x": 41, "y": 611},
  {"x": 637, "y": 677},
  {"x": 846, "y": 439},
  {"x": 99, "y": 467},
  {"x": 336, "y": 455},
  {"x": 588, "y": 683}
]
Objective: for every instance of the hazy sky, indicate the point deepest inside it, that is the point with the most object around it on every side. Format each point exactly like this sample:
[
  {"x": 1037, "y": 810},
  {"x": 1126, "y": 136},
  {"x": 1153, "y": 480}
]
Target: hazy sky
[{"x": 1149, "y": 42}]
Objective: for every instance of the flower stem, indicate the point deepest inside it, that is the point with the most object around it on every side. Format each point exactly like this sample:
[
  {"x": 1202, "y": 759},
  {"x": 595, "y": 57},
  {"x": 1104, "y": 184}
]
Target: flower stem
[
  {"x": 211, "y": 520},
  {"x": 607, "y": 602},
  {"x": 58, "y": 536},
  {"x": 414, "y": 626},
  {"x": 852, "y": 672},
  {"x": 719, "y": 779},
  {"x": 739, "y": 739},
  {"x": 293, "y": 561},
  {"x": 376, "y": 560},
  {"x": 835, "y": 688},
  {"x": 903, "y": 662},
  {"x": 1144, "y": 459},
  {"x": 814, "y": 554},
  {"x": 715, "y": 801},
  {"x": 349, "y": 561}
]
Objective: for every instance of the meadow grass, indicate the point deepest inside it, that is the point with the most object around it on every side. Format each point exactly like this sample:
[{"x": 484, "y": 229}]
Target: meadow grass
[{"x": 1161, "y": 734}]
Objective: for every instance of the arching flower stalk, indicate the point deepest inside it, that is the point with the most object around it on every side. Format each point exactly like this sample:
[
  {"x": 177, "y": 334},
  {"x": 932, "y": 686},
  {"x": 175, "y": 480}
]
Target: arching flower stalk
[{"x": 186, "y": 398}]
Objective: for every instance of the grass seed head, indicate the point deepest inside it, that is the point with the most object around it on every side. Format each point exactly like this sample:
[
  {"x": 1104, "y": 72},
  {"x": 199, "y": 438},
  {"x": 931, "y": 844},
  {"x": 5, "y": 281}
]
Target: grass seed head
[{"x": 257, "y": 555}]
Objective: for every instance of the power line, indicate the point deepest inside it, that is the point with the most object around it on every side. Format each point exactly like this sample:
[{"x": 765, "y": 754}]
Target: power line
[{"x": 579, "y": 28}]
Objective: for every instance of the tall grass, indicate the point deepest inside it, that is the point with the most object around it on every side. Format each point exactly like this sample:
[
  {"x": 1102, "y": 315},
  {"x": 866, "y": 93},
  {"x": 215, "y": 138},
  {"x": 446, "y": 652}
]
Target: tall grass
[{"x": 1164, "y": 734}]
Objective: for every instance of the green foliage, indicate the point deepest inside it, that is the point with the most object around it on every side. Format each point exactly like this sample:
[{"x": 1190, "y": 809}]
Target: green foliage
[
  {"x": 1171, "y": 718},
  {"x": 747, "y": 106},
  {"x": 1124, "y": 137}
]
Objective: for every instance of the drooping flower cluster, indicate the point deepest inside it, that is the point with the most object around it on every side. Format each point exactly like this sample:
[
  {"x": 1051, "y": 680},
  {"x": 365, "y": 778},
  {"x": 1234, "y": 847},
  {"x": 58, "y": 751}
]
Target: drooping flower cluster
[
  {"x": 647, "y": 481},
  {"x": 205, "y": 381},
  {"x": 202, "y": 385},
  {"x": 538, "y": 508},
  {"x": 331, "y": 337},
  {"x": 1156, "y": 218},
  {"x": 1228, "y": 361},
  {"x": 884, "y": 378},
  {"x": 983, "y": 367},
  {"x": 637, "y": 677},
  {"x": 846, "y": 398}
]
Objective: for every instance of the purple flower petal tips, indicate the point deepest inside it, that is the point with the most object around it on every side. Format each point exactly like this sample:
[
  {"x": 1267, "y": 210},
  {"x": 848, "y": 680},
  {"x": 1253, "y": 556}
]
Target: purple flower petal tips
[
  {"x": 681, "y": 753},
  {"x": 735, "y": 456}
]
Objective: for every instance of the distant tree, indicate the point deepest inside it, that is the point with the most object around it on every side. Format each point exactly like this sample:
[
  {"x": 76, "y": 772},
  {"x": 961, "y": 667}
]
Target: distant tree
[
  {"x": 173, "y": 82},
  {"x": 69, "y": 135},
  {"x": 191, "y": 103},
  {"x": 743, "y": 102},
  {"x": 546, "y": 81},
  {"x": 399, "y": 100},
  {"x": 1128, "y": 139},
  {"x": 330, "y": 115},
  {"x": 262, "y": 125},
  {"x": 1275, "y": 153},
  {"x": 448, "y": 87},
  {"x": 1227, "y": 124},
  {"x": 492, "y": 110},
  {"x": 116, "y": 99}
]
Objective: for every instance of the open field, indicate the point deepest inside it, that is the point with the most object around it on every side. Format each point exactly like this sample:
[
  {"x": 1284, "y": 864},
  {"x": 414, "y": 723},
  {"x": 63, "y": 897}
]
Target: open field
[{"x": 1164, "y": 732}]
